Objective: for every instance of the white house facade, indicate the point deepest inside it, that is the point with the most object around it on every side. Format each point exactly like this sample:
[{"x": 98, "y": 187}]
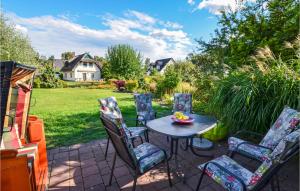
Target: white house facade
[{"x": 82, "y": 68}]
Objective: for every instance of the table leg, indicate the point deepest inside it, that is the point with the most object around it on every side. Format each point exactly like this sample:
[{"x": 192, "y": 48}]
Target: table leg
[{"x": 171, "y": 151}]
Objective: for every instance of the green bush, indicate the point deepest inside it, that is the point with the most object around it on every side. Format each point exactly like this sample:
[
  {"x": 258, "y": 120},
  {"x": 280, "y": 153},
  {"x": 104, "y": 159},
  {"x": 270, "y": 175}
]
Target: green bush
[
  {"x": 167, "y": 84},
  {"x": 252, "y": 98},
  {"x": 131, "y": 85},
  {"x": 37, "y": 83}
]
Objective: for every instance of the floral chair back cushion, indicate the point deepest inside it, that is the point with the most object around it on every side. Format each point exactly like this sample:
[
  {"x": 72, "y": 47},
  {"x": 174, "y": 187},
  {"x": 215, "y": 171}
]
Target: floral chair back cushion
[
  {"x": 109, "y": 106},
  {"x": 287, "y": 121},
  {"x": 143, "y": 102},
  {"x": 275, "y": 157},
  {"x": 182, "y": 103}
]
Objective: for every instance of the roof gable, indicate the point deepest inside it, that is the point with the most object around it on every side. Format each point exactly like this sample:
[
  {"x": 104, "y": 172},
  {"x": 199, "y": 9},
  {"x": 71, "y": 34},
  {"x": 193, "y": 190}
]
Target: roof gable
[
  {"x": 162, "y": 63},
  {"x": 70, "y": 64}
]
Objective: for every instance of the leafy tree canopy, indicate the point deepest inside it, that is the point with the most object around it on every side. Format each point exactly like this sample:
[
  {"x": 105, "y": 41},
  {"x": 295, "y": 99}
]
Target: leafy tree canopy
[
  {"x": 259, "y": 24},
  {"x": 124, "y": 61},
  {"x": 14, "y": 45}
]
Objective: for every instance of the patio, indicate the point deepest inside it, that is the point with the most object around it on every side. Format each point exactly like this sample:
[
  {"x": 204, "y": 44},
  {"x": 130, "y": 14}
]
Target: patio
[{"x": 83, "y": 167}]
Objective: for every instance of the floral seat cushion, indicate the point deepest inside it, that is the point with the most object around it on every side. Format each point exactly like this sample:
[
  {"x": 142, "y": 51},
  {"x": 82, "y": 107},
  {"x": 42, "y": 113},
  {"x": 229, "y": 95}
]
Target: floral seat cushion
[
  {"x": 182, "y": 103},
  {"x": 241, "y": 146},
  {"x": 148, "y": 155},
  {"x": 135, "y": 131},
  {"x": 225, "y": 179}
]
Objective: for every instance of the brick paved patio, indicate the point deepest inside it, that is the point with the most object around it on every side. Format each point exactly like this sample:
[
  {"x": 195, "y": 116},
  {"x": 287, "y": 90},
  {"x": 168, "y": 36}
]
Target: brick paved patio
[{"x": 83, "y": 167}]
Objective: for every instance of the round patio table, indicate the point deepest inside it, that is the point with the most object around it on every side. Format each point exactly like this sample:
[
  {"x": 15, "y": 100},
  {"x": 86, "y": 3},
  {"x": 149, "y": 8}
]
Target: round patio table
[{"x": 176, "y": 131}]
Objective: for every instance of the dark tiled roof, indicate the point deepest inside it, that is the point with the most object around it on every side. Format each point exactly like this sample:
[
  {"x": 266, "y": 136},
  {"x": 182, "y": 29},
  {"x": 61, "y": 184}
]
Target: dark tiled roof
[
  {"x": 162, "y": 63},
  {"x": 69, "y": 65}
]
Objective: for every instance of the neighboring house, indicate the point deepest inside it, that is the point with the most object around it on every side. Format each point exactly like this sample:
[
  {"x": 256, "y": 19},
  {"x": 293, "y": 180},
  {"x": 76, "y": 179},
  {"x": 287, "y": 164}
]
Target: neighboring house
[
  {"x": 81, "y": 68},
  {"x": 160, "y": 65}
]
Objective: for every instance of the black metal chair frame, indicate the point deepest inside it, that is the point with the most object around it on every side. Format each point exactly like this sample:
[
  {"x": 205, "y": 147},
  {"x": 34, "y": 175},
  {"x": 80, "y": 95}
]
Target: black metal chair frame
[
  {"x": 132, "y": 140},
  {"x": 269, "y": 176},
  {"x": 119, "y": 143}
]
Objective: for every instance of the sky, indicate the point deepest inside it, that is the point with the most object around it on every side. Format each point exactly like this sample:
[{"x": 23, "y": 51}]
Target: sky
[{"x": 156, "y": 28}]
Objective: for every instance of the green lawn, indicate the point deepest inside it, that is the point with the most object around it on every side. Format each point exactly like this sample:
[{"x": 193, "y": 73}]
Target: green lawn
[{"x": 71, "y": 115}]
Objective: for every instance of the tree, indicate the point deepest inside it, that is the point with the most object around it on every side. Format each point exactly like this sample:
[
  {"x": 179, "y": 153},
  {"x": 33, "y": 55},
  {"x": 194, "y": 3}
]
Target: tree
[
  {"x": 259, "y": 24},
  {"x": 48, "y": 76},
  {"x": 105, "y": 67},
  {"x": 67, "y": 55},
  {"x": 14, "y": 45},
  {"x": 124, "y": 61}
]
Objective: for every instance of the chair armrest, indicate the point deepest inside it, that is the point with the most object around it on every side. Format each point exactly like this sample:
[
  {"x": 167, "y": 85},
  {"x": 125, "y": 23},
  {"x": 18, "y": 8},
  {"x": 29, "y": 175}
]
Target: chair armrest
[
  {"x": 228, "y": 172},
  {"x": 249, "y": 143}
]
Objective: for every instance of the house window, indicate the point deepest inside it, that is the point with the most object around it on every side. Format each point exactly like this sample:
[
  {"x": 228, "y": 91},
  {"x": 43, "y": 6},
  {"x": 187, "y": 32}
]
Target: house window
[
  {"x": 91, "y": 65},
  {"x": 71, "y": 75},
  {"x": 84, "y": 65},
  {"x": 66, "y": 75},
  {"x": 92, "y": 76}
]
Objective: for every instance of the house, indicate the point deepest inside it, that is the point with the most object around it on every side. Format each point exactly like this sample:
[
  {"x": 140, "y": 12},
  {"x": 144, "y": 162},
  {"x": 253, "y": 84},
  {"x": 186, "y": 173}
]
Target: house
[
  {"x": 81, "y": 68},
  {"x": 160, "y": 65}
]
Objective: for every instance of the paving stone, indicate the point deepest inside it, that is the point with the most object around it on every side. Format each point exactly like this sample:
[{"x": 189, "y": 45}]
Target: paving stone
[
  {"x": 62, "y": 155},
  {"x": 90, "y": 170},
  {"x": 88, "y": 162},
  {"x": 60, "y": 169},
  {"x": 86, "y": 156},
  {"x": 75, "y": 171},
  {"x": 104, "y": 171},
  {"x": 121, "y": 171},
  {"x": 92, "y": 180},
  {"x": 57, "y": 179},
  {"x": 98, "y": 187},
  {"x": 113, "y": 187}
]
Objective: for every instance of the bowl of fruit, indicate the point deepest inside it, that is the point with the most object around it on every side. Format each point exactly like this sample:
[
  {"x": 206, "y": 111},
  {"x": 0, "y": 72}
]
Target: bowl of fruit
[{"x": 179, "y": 117}]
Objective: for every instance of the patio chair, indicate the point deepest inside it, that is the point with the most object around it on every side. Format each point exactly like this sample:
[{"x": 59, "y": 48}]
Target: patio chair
[
  {"x": 144, "y": 110},
  {"x": 109, "y": 106},
  {"x": 182, "y": 103},
  {"x": 234, "y": 177},
  {"x": 140, "y": 159},
  {"x": 287, "y": 122}
]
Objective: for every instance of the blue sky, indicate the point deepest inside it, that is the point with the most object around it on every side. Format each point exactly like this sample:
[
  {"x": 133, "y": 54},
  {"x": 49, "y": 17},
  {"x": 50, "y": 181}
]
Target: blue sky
[{"x": 156, "y": 28}]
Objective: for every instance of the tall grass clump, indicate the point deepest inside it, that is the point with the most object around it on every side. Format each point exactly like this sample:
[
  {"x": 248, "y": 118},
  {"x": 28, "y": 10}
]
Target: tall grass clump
[{"x": 252, "y": 97}]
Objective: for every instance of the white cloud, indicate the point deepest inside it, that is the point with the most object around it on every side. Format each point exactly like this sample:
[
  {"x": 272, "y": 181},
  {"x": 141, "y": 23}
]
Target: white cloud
[
  {"x": 21, "y": 29},
  {"x": 142, "y": 17},
  {"x": 52, "y": 35},
  {"x": 191, "y": 2},
  {"x": 171, "y": 25},
  {"x": 216, "y": 6}
]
